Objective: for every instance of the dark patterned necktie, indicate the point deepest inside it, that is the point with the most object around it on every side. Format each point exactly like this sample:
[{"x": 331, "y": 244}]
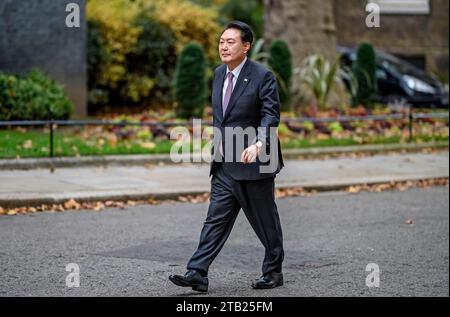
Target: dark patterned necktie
[{"x": 228, "y": 92}]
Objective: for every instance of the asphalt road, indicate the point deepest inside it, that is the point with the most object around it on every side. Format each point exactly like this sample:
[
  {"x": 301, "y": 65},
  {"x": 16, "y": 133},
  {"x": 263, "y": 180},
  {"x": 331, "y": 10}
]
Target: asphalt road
[{"x": 329, "y": 239}]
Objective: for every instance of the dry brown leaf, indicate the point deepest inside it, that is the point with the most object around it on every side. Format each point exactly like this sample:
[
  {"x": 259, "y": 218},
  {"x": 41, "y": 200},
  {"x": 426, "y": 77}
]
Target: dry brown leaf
[
  {"x": 71, "y": 204},
  {"x": 12, "y": 212},
  {"x": 353, "y": 189},
  {"x": 28, "y": 144},
  {"x": 131, "y": 203},
  {"x": 152, "y": 201},
  {"x": 280, "y": 193},
  {"x": 112, "y": 139},
  {"x": 99, "y": 206},
  {"x": 120, "y": 205},
  {"x": 148, "y": 145}
]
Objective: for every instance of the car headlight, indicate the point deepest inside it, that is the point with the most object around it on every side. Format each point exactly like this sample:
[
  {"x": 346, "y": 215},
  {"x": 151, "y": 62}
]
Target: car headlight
[{"x": 416, "y": 84}]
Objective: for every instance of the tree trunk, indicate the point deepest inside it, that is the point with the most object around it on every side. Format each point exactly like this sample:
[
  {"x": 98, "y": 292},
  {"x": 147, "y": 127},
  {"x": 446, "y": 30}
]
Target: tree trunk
[{"x": 307, "y": 26}]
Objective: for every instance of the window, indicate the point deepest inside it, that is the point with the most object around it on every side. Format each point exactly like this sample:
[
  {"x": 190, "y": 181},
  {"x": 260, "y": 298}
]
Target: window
[{"x": 403, "y": 6}]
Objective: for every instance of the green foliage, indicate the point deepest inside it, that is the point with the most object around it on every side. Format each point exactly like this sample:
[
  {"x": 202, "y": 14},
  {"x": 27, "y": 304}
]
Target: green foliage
[
  {"x": 144, "y": 135},
  {"x": 153, "y": 60},
  {"x": 190, "y": 82},
  {"x": 308, "y": 125},
  {"x": 133, "y": 46},
  {"x": 365, "y": 74},
  {"x": 258, "y": 54},
  {"x": 283, "y": 129},
  {"x": 131, "y": 61},
  {"x": 335, "y": 127},
  {"x": 34, "y": 97},
  {"x": 319, "y": 76},
  {"x": 281, "y": 62},
  {"x": 248, "y": 11},
  {"x": 97, "y": 57},
  {"x": 190, "y": 23}
]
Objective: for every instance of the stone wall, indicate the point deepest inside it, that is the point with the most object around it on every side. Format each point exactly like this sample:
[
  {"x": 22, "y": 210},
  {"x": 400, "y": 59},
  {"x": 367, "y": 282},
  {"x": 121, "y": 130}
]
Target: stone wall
[{"x": 33, "y": 34}]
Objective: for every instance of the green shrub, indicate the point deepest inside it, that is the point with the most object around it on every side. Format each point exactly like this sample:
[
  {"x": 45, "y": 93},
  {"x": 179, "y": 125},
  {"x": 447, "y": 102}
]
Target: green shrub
[
  {"x": 365, "y": 74},
  {"x": 131, "y": 60},
  {"x": 335, "y": 127},
  {"x": 281, "y": 62},
  {"x": 318, "y": 76},
  {"x": 154, "y": 58},
  {"x": 97, "y": 57},
  {"x": 34, "y": 97},
  {"x": 134, "y": 46},
  {"x": 308, "y": 125},
  {"x": 248, "y": 11},
  {"x": 190, "y": 82}
]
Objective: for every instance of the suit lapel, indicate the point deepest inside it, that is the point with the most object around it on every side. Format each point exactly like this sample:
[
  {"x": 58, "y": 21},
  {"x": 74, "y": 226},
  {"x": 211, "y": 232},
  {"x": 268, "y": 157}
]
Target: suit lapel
[
  {"x": 218, "y": 93},
  {"x": 241, "y": 83}
]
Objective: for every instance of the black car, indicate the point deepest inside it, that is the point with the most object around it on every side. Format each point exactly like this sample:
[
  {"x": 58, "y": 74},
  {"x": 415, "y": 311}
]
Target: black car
[{"x": 399, "y": 81}]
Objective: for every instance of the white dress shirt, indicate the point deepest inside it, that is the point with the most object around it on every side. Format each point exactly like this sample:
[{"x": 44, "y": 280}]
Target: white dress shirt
[{"x": 236, "y": 73}]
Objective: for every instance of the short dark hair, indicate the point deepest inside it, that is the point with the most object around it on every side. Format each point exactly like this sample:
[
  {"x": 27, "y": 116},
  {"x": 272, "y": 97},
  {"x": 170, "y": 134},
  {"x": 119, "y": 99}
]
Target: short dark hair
[{"x": 246, "y": 31}]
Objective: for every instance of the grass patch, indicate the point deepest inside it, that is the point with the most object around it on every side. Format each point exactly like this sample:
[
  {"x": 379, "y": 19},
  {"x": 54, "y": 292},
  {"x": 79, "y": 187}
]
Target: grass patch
[
  {"x": 308, "y": 143},
  {"x": 36, "y": 143}
]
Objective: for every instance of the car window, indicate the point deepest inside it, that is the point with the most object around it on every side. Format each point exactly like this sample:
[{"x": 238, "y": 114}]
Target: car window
[{"x": 401, "y": 67}]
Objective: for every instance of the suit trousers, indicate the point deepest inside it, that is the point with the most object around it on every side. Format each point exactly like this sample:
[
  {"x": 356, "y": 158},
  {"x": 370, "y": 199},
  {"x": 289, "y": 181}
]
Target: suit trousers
[{"x": 257, "y": 200}]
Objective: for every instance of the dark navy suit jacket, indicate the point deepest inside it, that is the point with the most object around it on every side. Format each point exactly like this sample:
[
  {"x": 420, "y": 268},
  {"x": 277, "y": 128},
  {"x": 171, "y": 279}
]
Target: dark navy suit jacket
[{"x": 254, "y": 103}]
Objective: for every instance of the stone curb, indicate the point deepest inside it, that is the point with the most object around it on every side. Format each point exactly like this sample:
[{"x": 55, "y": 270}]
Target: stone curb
[{"x": 49, "y": 199}]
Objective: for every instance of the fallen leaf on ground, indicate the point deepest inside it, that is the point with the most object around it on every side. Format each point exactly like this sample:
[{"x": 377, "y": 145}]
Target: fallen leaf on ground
[
  {"x": 99, "y": 206},
  {"x": 71, "y": 204},
  {"x": 28, "y": 144},
  {"x": 131, "y": 203}
]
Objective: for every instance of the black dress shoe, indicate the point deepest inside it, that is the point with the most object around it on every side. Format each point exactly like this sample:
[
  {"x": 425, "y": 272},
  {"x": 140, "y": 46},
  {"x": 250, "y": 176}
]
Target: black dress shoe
[
  {"x": 192, "y": 279},
  {"x": 268, "y": 281}
]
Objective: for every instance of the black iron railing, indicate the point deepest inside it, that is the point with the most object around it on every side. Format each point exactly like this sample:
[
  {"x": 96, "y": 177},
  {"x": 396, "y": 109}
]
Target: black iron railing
[{"x": 409, "y": 116}]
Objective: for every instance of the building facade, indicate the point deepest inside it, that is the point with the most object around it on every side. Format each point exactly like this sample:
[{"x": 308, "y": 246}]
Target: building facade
[{"x": 416, "y": 30}]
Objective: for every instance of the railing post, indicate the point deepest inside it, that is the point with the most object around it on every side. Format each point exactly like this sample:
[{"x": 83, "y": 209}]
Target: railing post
[
  {"x": 410, "y": 124},
  {"x": 51, "y": 138}
]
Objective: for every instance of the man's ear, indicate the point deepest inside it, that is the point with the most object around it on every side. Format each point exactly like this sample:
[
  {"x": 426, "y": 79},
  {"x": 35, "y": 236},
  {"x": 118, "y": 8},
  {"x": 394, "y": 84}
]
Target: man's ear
[{"x": 247, "y": 47}]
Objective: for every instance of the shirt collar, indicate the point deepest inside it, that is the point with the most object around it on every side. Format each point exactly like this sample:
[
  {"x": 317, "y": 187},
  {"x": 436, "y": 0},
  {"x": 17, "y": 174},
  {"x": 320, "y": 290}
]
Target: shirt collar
[{"x": 238, "y": 69}]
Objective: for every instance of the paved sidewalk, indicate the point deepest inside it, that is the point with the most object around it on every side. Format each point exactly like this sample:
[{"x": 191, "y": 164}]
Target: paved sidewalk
[{"x": 41, "y": 186}]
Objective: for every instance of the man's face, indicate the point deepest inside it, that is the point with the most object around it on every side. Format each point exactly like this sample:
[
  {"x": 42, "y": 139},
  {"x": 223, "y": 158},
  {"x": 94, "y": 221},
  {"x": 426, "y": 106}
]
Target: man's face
[{"x": 231, "y": 49}]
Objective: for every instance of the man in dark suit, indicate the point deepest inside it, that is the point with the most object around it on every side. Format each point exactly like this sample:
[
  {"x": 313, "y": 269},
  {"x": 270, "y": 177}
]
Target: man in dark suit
[{"x": 246, "y": 158}]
